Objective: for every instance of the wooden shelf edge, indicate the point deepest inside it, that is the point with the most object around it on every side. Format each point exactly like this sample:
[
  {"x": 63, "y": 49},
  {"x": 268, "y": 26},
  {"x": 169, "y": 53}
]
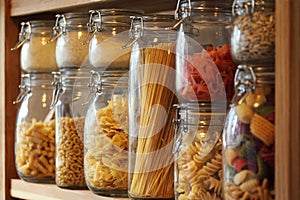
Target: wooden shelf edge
[
  {"x": 29, "y": 7},
  {"x": 35, "y": 191}
]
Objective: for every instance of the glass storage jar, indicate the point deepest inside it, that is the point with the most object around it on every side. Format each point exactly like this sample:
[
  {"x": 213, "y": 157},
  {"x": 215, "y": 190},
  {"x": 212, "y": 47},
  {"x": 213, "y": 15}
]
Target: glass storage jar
[
  {"x": 253, "y": 34},
  {"x": 35, "y": 129},
  {"x": 108, "y": 29},
  {"x": 249, "y": 136},
  {"x": 106, "y": 135},
  {"x": 36, "y": 55},
  {"x": 69, "y": 33},
  {"x": 69, "y": 97},
  {"x": 205, "y": 70},
  {"x": 151, "y": 96},
  {"x": 198, "y": 151}
]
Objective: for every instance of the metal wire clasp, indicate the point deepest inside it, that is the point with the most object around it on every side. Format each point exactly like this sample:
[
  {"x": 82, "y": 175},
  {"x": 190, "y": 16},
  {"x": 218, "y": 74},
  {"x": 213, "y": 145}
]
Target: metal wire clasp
[
  {"x": 24, "y": 35},
  {"x": 92, "y": 26},
  {"x": 58, "y": 30},
  {"x": 57, "y": 89},
  {"x": 24, "y": 90},
  {"x": 136, "y": 31},
  {"x": 240, "y": 7}
]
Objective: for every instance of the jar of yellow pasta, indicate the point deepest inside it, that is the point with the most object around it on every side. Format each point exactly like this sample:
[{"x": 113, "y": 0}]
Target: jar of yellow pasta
[
  {"x": 151, "y": 98},
  {"x": 36, "y": 55},
  {"x": 69, "y": 98},
  {"x": 35, "y": 129},
  {"x": 198, "y": 151},
  {"x": 69, "y": 33},
  {"x": 106, "y": 135},
  {"x": 108, "y": 31},
  {"x": 249, "y": 136}
]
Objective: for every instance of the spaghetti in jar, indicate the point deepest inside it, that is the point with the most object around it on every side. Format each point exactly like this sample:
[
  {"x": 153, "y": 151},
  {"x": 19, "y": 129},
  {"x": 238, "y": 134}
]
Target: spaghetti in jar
[{"x": 151, "y": 97}]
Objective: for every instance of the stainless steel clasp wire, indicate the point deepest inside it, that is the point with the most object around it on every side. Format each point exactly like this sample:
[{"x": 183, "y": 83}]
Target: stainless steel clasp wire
[
  {"x": 243, "y": 7},
  {"x": 24, "y": 90},
  {"x": 95, "y": 86},
  {"x": 182, "y": 13},
  {"x": 136, "y": 30},
  {"x": 23, "y": 35},
  {"x": 57, "y": 89},
  {"x": 93, "y": 27},
  {"x": 57, "y": 29}
]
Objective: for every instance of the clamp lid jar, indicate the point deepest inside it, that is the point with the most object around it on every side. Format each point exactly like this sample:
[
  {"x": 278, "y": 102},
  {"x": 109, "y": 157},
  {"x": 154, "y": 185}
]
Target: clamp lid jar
[
  {"x": 249, "y": 136},
  {"x": 69, "y": 33},
  {"x": 106, "y": 135},
  {"x": 35, "y": 129},
  {"x": 198, "y": 150},
  {"x": 203, "y": 49},
  {"x": 36, "y": 54},
  {"x": 69, "y": 97},
  {"x": 253, "y": 34},
  {"x": 108, "y": 31}
]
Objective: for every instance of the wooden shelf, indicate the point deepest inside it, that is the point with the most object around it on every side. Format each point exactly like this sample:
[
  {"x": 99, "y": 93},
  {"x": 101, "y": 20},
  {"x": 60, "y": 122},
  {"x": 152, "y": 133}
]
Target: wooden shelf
[
  {"x": 27, "y": 7},
  {"x": 34, "y": 191}
]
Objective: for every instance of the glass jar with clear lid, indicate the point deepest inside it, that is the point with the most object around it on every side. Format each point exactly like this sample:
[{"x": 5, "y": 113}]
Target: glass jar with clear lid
[
  {"x": 69, "y": 99},
  {"x": 35, "y": 129},
  {"x": 69, "y": 33},
  {"x": 204, "y": 63},
  {"x": 198, "y": 150},
  {"x": 108, "y": 29},
  {"x": 249, "y": 136},
  {"x": 253, "y": 34},
  {"x": 151, "y": 97},
  {"x": 36, "y": 54},
  {"x": 106, "y": 135}
]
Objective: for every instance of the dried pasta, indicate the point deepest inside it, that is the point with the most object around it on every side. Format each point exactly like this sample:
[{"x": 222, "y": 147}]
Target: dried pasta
[
  {"x": 35, "y": 149},
  {"x": 106, "y": 156},
  {"x": 152, "y": 169},
  {"x": 69, "y": 150},
  {"x": 207, "y": 182}
]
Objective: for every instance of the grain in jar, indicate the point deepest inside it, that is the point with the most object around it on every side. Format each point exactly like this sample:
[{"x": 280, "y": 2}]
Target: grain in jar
[
  {"x": 69, "y": 33},
  {"x": 109, "y": 32},
  {"x": 253, "y": 34},
  {"x": 36, "y": 54}
]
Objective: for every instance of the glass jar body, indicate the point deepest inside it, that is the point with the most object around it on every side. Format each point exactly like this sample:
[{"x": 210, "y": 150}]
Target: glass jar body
[
  {"x": 36, "y": 55},
  {"x": 106, "y": 142},
  {"x": 249, "y": 146},
  {"x": 151, "y": 97},
  {"x": 253, "y": 34},
  {"x": 198, "y": 154},
  {"x": 70, "y": 110},
  {"x": 35, "y": 132},
  {"x": 203, "y": 49}
]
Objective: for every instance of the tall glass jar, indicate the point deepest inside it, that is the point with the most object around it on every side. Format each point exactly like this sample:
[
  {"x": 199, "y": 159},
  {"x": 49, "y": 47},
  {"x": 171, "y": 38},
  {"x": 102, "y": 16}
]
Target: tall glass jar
[
  {"x": 151, "y": 97},
  {"x": 69, "y": 99},
  {"x": 108, "y": 29},
  {"x": 106, "y": 135},
  {"x": 249, "y": 136},
  {"x": 204, "y": 64},
  {"x": 35, "y": 129},
  {"x": 69, "y": 33},
  {"x": 36, "y": 55},
  {"x": 253, "y": 35},
  {"x": 198, "y": 151}
]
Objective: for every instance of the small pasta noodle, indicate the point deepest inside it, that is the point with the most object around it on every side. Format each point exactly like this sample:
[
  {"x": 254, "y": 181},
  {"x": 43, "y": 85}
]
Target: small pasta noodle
[{"x": 69, "y": 150}]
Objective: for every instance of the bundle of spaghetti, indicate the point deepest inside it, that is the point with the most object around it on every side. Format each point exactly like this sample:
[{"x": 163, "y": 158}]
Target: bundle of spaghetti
[{"x": 153, "y": 175}]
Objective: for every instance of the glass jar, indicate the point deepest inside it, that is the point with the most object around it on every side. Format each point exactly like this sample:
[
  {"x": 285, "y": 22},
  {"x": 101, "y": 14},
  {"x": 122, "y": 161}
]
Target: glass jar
[
  {"x": 36, "y": 54},
  {"x": 253, "y": 35},
  {"x": 106, "y": 135},
  {"x": 151, "y": 96},
  {"x": 198, "y": 151},
  {"x": 35, "y": 129},
  {"x": 205, "y": 69},
  {"x": 70, "y": 32},
  {"x": 249, "y": 136},
  {"x": 69, "y": 98},
  {"x": 108, "y": 30}
]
